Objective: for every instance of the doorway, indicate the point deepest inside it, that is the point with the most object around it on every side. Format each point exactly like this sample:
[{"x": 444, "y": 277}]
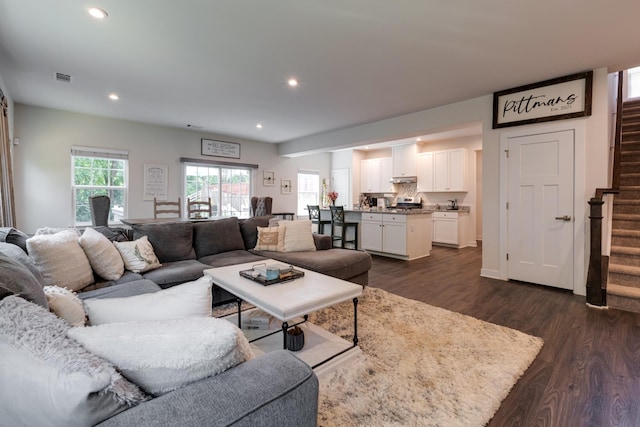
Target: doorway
[{"x": 540, "y": 208}]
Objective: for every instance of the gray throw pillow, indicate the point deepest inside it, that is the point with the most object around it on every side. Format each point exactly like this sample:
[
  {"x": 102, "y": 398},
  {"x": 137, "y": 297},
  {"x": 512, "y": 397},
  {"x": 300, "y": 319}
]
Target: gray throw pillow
[
  {"x": 214, "y": 237},
  {"x": 17, "y": 254},
  {"x": 17, "y": 278},
  {"x": 171, "y": 242},
  {"x": 50, "y": 379},
  {"x": 14, "y": 236}
]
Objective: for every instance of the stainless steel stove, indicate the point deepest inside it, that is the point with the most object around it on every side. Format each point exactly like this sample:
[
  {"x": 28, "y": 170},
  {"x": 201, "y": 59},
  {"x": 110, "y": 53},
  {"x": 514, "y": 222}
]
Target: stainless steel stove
[{"x": 407, "y": 203}]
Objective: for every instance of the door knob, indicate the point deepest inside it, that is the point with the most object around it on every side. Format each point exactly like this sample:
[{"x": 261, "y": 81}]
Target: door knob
[{"x": 564, "y": 218}]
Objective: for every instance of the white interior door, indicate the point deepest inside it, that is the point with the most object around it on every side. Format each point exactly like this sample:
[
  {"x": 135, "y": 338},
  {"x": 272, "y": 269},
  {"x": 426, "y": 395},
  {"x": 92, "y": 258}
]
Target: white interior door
[
  {"x": 540, "y": 213},
  {"x": 341, "y": 185}
]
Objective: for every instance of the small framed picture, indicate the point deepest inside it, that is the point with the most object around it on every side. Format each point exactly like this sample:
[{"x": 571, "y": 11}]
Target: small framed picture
[
  {"x": 285, "y": 186},
  {"x": 268, "y": 178}
]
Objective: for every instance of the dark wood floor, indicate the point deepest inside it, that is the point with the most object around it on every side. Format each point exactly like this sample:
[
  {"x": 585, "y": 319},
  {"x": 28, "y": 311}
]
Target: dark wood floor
[{"x": 587, "y": 373}]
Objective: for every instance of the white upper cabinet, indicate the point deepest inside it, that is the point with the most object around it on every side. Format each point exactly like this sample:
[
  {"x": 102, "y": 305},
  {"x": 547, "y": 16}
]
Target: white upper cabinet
[
  {"x": 425, "y": 172},
  {"x": 375, "y": 175},
  {"x": 449, "y": 170},
  {"x": 404, "y": 160}
]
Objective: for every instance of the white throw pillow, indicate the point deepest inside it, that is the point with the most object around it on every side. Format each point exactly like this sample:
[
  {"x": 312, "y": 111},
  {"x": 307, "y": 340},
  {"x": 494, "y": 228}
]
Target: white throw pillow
[
  {"x": 185, "y": 300},
  {"x": 160, "y": 356},
  {"x": 61, "y": 260},
  {"x": 298, "y": 236},
  {"x": 138, "y": 256},
  {"x": 103, "y": 255},
  {"x": 66, "y": 305},
  {"x": 270, "y": 239}
]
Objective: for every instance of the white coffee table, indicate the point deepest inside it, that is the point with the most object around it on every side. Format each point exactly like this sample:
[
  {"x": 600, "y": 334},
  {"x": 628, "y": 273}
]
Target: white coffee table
[{"x": 289, "y": 300}]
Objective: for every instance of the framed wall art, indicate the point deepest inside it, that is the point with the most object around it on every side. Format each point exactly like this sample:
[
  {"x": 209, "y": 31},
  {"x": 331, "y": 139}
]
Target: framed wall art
[
  {"x": 268, "y": 178},
  {"x": 556, "y": 99},
  {"x": 285, "y": 186},
  {"x": 220, "y": 148},
  {"x": 155, "y": 182}
]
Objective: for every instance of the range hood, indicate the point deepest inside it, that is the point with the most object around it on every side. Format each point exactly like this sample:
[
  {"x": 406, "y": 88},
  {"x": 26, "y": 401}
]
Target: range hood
[{"x": 404, "y": 180}]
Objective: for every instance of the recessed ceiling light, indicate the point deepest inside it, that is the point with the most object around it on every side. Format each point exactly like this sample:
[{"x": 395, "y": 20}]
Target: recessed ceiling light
[
  {"x": 113, "y": 97},
  {"x": 259, "y": 125},
  {"x": 292, "y": 82},
  {"x": 98, "y": 13},
  {"x": 418, "y": 139}
]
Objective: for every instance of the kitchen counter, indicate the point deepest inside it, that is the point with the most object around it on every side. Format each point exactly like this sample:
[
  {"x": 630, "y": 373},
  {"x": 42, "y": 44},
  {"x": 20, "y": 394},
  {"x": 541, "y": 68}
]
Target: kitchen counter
[{"x": 389, "y": 210}]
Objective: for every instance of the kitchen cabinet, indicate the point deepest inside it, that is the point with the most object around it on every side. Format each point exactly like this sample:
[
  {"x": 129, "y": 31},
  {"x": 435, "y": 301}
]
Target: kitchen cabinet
[
  {"x": 425, "y": 172},
  {"x": 375, "y": 175},
  {"x": 404, "y": 160},
  {"x": 449, "y": 170},
  {"x": 451, "y": 228},
  {"x": 396, "y": 235}
]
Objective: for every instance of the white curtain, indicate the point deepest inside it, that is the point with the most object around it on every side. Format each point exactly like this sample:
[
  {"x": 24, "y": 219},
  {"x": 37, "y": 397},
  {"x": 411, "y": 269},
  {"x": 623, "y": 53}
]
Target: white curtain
[{"x": 7, "y": 205}]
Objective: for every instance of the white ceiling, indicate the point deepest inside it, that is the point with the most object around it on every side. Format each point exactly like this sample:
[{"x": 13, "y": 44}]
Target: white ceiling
[{"x": 224, "y": 64}]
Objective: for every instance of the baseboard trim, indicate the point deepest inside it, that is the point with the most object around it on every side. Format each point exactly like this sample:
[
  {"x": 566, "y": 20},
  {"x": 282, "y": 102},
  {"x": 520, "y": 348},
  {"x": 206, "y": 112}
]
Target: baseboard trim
[{"x": 491, "y": 274}]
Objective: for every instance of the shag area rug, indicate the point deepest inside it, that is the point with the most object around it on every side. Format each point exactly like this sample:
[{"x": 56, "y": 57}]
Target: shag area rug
[{"x": 421, "y": 365}]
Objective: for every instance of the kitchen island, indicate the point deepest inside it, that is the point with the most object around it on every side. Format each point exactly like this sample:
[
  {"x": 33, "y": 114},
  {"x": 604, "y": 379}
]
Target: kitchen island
[{"x": 402, "y": 234}]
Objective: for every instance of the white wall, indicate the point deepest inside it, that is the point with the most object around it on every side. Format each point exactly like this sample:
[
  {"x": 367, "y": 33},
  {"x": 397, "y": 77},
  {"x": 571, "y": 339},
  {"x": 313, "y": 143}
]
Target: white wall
[{"x": 42, "y": 165}]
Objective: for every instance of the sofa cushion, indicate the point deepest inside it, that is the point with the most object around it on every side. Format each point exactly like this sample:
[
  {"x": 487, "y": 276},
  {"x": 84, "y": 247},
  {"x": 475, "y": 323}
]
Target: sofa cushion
[
  {"x": 171, "y": 241},
  {"x": 248, "y": 228},
  {"x": 17, "y": 278},
  {"x": 17, "y": 254},
  {"x": 174, "y": 273},
  {"x": 138, "y": 256},
  {"x": 136, "y": 287},
  {"x": 231, "y": 258},
  {"x": 61, "y": 259},
  {"x": 214, "y": 237},
  {"x": 66, "y": 305},
  {"x": 103, "y": 255},
  {"x": 114, "y": 234},
  {"x": 161, "y": 356},
  {"x": 14, "y": 236},
  {"x": 48, "y": 378},
  {"x": 186, "y": 300}
]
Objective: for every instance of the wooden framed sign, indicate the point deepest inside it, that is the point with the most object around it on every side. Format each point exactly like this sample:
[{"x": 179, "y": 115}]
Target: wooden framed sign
[
  {"x": 556, "y": 99},
  {"x": 220, "y": 148}
]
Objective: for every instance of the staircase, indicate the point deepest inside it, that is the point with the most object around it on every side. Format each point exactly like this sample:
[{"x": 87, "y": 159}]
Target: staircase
[{"x": 623, "y": 286}]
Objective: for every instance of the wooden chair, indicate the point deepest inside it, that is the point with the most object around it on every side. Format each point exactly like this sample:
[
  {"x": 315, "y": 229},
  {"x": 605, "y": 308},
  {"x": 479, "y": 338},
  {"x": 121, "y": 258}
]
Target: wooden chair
[
  {"x": 314, "y": 216},
  {"x": 337, "y": 221},
  {"x": 167, "y": 208},
  {"x": 199, "y": 208},
  {"x": 261, "y": 206}
]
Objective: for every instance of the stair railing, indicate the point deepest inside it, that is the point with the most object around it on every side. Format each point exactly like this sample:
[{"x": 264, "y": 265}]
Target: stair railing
[{"x": 598, "y": 265}]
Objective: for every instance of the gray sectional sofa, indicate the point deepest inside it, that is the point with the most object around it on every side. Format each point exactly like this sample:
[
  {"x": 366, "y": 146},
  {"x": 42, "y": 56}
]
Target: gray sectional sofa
[{"x": 275, "y": 389}]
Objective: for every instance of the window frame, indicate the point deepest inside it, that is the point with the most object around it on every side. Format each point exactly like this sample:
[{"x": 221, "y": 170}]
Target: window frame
[
  {"x": 301, "y": 209},
  {"x": 99, "y": 154}
]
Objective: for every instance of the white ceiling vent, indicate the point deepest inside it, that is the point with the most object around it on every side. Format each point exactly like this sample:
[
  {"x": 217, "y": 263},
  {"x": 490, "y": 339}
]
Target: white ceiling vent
[{"x": 65, "y": 78}]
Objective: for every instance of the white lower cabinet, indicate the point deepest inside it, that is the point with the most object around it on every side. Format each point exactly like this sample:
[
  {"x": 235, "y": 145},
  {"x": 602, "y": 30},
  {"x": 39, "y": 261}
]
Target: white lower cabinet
[
  {"x": 450, "y": 228},
  {"x": 402, "y": 236}
]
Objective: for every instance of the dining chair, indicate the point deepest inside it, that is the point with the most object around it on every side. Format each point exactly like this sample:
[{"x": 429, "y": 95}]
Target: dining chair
[
  {"x": 314, "y": 216},
  {"x": 170, "y": 209},
  {"x": 337, "y": 221},
  {"x": 199, "y": 208},
  {"x": 261, "y": 206}
]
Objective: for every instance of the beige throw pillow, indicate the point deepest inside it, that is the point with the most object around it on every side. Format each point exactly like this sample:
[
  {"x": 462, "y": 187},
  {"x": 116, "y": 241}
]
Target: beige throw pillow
[
  {"x": 270, "y": 239},
  {"x": 298, "y": 236},
  {"x": 66, "y": 305},
  {"x": 103, "y": 255},
  {"x": 138, "y": 256},
  {"x": 61, "y": 260}
]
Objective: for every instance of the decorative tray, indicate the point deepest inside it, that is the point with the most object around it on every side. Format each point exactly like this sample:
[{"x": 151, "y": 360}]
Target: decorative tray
[{"x": 285, "y": 275}]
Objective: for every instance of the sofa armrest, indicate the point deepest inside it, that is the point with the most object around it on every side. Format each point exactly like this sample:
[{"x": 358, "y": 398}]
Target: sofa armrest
[
  {"x": 322, "y": 242},
  {"x": 274, "y": 389}
]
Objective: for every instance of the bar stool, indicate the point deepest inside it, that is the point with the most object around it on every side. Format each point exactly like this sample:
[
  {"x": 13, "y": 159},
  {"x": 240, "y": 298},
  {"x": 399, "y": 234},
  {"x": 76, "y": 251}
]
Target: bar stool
[
  {"x": 337, "y": 220},
  {"x": 314, "y": 216}
]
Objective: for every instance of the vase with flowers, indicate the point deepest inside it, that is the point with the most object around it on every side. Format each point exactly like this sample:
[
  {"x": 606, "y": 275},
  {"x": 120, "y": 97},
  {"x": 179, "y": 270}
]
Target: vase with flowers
[{"x": 332, "y": 195}]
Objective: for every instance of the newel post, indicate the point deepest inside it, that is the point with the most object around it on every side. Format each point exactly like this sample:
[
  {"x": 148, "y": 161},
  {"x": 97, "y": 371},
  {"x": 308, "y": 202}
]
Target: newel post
[{"x": 596, "y": 293}]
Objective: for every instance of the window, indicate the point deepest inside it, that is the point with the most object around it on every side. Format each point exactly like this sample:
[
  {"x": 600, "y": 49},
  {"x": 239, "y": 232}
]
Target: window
[
  {"x": 308, "y": 190},
  {"x": 228, "y": 187},
  {"x": 96, "y": 172},
  {"x": 633, "y": 83}
]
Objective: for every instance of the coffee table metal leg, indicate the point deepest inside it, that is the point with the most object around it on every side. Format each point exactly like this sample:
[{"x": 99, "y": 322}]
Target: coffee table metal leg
[
  {"x": 355, "y": 322},
  {"x": 285, "y": 326},
  {"x": 239, "y": 301}
]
